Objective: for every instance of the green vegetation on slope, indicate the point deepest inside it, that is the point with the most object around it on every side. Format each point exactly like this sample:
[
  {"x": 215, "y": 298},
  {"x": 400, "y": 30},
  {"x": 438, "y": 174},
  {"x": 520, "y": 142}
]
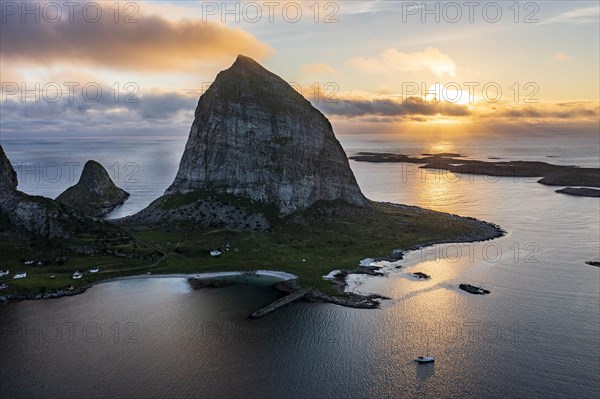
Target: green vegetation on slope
[{"x": 309, "y": 244}]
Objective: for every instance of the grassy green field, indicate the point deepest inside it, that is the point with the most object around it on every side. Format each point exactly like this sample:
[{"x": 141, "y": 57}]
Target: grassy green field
[{"x": 309, "y": 244}]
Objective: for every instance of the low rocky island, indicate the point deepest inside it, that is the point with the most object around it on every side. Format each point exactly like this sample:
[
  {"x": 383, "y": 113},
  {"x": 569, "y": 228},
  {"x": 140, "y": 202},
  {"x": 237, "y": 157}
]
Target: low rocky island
[
  {"x": 593, "y": 263},
  {"x": 471, "y": 289},
  {"x": 552, "y": 175},
  {"x": 580, "y": 192},
  {"x": 421, "y": 275}
]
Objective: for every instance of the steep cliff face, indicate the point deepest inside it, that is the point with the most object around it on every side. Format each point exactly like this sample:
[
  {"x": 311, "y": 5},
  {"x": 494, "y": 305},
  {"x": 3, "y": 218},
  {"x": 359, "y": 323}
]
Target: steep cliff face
[
  {"x": 255, "y": 137},
  {"x": 35, "y": 214},
  {"x": 95, "y": 193},
  {"x": 8, "y": 176}
]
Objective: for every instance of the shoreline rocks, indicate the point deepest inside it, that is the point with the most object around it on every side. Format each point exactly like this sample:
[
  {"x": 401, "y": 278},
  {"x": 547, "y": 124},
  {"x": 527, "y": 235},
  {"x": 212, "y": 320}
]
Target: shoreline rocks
[
  {"x": 46, "y": 295},
  {"x": 199, "y": 283},
  {"x": 421, "y": 275}
]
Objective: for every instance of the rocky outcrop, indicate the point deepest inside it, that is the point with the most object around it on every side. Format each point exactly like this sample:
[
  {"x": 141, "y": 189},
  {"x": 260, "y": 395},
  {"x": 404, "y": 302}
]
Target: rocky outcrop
[
  {"x": 256, "y": 138},
  {"x": 199, "y": 283},
  {"x": 184, "y": 212},
  {"x": 580, "y": 191},
  {"x": 35, "y": 214},
  {"x": 471, "y": 289},
  {"x": 593, "y": 263},
  {"x": 8, "y": 176},
  {"x": 95, "y": 193},
  {"x": 22, "y": 213},
  {"x": 421, "y": 275}
]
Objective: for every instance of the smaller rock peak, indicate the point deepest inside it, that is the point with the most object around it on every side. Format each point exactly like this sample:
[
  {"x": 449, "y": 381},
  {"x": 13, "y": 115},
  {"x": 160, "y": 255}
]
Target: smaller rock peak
[
  {"x": 95, "y": 193},
  {"x": 93, "y": 164},
  {"x": 93, "y": 172}
]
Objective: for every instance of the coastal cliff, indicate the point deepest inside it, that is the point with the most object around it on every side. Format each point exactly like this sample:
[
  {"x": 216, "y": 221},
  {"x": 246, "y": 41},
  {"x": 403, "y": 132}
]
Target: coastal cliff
[{"x": 34, "y": 214}]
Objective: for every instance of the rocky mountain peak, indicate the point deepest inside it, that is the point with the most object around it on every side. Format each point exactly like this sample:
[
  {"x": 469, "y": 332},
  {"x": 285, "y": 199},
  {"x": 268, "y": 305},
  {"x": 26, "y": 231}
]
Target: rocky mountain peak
[
  {"x": 243, "y": 61},
  {"x": 255, "y": 137}
]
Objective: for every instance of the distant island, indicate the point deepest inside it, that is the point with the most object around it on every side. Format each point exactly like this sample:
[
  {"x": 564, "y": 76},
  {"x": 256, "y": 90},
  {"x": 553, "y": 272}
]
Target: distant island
[
  {"x": 263, "y": 184},
  {"x": 551, "y": 175}
]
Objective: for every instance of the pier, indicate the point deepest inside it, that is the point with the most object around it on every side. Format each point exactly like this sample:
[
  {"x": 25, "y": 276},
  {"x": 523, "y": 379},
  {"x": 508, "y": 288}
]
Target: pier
[{"x": 294, "y": 296}]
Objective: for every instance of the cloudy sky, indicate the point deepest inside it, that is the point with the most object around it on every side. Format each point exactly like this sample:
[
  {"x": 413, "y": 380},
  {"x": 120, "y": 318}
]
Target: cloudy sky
[{"x": 378, "y": 66}]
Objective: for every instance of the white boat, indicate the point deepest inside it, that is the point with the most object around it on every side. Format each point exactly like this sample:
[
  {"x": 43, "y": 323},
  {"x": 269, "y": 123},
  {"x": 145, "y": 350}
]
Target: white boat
[
  {"x": 29, "y": 262},
  {"x": 20, "y": 275},
  {"x": 425, "y": 359},
  {"x": 77, "y": 275},
  {"x": 4, "y": 273},
  {"x": 215, "y": 253},
  {"x": 94, "y": 270}
]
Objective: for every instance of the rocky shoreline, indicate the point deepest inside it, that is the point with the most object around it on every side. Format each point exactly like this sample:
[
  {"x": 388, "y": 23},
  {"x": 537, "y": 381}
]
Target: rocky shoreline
[
  {"x": 46, "y": 295},
  {"x": 483, "y": 231}
]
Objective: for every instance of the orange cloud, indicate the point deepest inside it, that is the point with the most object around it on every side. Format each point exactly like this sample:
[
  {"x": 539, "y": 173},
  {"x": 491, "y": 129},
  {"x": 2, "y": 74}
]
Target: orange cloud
[
  {"x": 562, "y": 57},
  {"x": 152, "y": 44},
  {"x": 318, "y": 69},
  {"x": 392, "y": 61}
]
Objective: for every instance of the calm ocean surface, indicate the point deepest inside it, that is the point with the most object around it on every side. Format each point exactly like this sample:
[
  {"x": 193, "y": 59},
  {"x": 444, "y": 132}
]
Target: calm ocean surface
[{"x": 537, "y": 335}]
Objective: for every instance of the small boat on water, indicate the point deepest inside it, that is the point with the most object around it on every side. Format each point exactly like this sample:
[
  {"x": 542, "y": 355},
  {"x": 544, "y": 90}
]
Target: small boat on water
[{"x": 425, "y": 359}]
